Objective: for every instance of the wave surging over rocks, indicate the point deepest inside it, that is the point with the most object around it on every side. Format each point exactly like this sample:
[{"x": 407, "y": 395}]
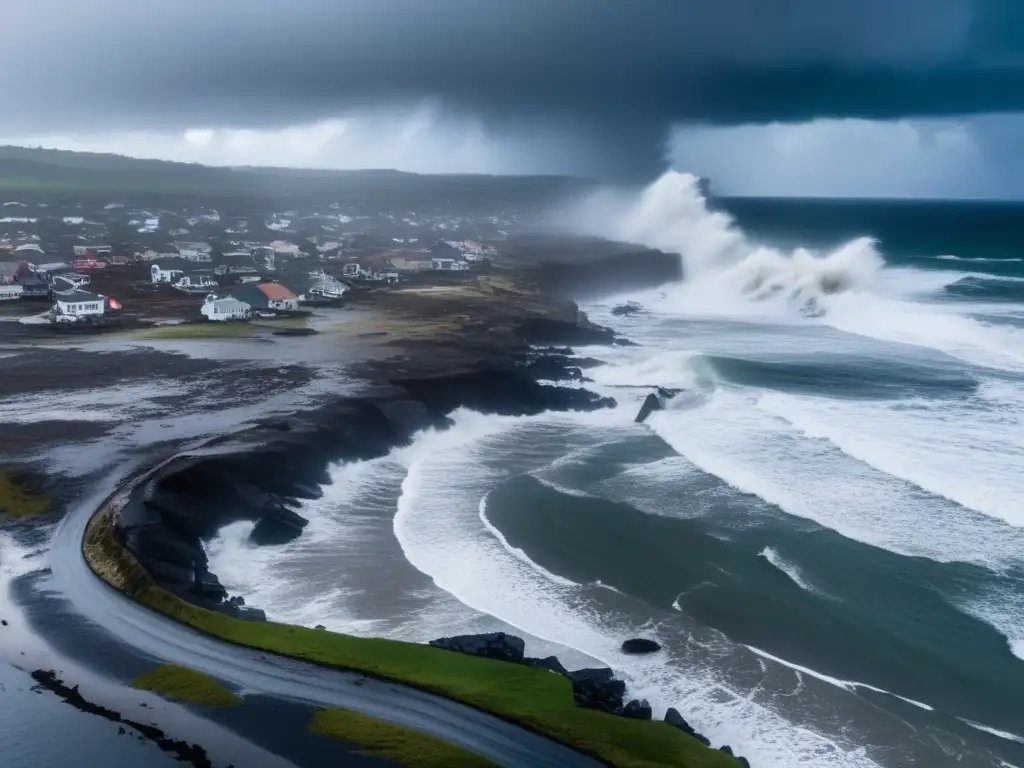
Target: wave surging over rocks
[{"x": 672, "y": 215}]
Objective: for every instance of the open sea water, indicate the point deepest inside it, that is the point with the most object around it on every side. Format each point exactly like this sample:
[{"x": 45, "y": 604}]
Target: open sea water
[{"x": 825, "y": 529}]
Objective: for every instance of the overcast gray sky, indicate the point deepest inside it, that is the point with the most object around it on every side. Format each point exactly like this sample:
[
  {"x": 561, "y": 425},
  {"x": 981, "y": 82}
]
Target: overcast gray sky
[{"x": 608, "y": 87}]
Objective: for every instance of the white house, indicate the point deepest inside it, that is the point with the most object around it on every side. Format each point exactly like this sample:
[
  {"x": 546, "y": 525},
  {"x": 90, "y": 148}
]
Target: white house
[
  {"x": 223, "y": 308},
  {"x": 158, "y": 275},
  {"x": 448, "y": 265},
  {"x": 76, "y": 306},
  {"x": 323, "y": 286}
]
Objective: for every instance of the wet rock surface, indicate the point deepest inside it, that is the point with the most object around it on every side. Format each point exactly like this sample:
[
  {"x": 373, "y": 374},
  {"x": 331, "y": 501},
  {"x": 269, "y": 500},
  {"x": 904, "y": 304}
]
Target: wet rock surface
[
  {"x": 640, "y": 645},
  {"x": 492, "y": 645},
  {"x": 598, "y": 689},
  {"x": 637, "y": 710}
]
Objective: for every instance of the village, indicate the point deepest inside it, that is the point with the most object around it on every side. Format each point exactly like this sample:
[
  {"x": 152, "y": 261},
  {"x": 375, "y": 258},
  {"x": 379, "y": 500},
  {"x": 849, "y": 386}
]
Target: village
[{"x": 116, "y": 267}]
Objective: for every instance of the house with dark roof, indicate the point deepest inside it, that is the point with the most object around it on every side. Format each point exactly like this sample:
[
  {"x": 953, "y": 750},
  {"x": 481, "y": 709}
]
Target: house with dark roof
[{"x": 267, "y": 296}]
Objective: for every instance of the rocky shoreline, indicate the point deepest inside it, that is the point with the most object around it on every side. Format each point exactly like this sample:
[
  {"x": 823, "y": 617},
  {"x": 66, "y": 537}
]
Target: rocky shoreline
[
  {"x": 591, "y": 688},
  {"x": 261, "y": 473}
]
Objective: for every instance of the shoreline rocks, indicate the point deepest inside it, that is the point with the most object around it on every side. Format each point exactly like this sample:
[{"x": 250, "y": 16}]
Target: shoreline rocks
[
  {"x": 639, "y": 645},
  {"x": 656, "y": 401},
  {"x": 595, "y": 688},
  {"x": 492, "y": 645}
]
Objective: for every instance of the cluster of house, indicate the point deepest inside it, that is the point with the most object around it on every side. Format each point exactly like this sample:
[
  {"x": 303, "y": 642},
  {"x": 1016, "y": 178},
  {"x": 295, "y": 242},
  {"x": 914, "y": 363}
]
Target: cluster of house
[
  {"x": 443, "y": 256},
  {"x": 71, "y": 303}
]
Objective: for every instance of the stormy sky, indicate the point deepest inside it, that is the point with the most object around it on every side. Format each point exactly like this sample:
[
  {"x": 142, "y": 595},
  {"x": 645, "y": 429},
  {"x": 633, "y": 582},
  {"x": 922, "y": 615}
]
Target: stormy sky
[{"x": 800, "y": 96}]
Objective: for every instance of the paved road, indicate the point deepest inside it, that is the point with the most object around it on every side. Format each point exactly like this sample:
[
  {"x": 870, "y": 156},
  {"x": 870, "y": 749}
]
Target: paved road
[{"x": 256, "y": 672}]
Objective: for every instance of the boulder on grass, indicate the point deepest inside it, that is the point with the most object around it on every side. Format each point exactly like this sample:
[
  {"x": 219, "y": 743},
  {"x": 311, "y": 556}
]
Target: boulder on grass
[
  {"x": 491, "y": 645},
  {"x": 551, "y": 663},
  {"x": 640, "y": 645},
  {"x": 597, "y": 689},
  {"x": 637, "y": 710},
  {"x": 676, "y": 720}
]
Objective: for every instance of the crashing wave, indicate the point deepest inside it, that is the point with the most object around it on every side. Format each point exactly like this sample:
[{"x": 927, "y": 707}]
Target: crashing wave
[{"x": 672, "y": 215}]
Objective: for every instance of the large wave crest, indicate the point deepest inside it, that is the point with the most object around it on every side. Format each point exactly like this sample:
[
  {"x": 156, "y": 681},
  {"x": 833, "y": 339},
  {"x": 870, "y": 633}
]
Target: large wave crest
[{"x": 672, "y": 215}]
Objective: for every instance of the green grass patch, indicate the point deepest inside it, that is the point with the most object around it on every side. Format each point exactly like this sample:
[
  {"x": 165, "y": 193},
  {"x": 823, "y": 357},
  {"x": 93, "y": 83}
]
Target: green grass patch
[
  {"x": 18, "y": 499},
  {"x": 388, "y": 741},
  {"x": 212, "y": 330},
  {"x": 534, "y": 698},
  {"x": 183, "y": 684}
]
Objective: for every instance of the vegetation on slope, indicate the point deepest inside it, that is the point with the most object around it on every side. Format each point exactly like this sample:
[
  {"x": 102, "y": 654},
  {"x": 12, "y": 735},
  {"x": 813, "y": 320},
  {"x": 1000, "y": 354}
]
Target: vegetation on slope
[
  {"x": 388, "y": 741},
  {"x": 532, "y": 697},
  {"x": 19, "y": 500},
  {"x": 183, "y": 684}
]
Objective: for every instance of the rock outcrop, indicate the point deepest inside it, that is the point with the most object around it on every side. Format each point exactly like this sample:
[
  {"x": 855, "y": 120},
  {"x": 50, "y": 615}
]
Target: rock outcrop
[
  {"x": 637, "y": 710},
  {"x": 639, "y": 645},
  {"x": 629, "y": 308},
  {"x": 655, "y": 402},
  {"x": 598, "y": 689},
  {"x": 550, "y": 663},
  {"x": 492, "y": 645}
]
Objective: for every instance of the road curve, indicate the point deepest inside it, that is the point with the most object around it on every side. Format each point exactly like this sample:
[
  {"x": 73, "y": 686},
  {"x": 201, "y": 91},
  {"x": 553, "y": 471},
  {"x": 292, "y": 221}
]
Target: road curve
[{"x": 253, "y": 671}]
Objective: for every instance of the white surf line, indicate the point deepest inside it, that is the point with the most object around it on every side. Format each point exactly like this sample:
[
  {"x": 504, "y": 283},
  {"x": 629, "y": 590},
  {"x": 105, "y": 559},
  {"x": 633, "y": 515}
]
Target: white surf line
[
  {"x": 517, "y": 553},
  {"x": 993, "y": 731},
  {"x": 847, "y": 685}
]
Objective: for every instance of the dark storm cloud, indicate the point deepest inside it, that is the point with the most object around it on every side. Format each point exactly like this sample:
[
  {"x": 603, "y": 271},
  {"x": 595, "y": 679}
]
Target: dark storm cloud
[{"x": 608, "y": 68}]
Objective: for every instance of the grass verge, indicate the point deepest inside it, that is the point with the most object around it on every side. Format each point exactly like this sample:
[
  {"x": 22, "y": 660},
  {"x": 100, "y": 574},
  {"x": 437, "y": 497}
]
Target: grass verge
[
  {"x": 18, "y": 500},
  {"x": 534, "y": 698},
  {"x": 388, "y": 741},
  {"x": 183, "y": 684},
  {"x": 212, "y": 330}
]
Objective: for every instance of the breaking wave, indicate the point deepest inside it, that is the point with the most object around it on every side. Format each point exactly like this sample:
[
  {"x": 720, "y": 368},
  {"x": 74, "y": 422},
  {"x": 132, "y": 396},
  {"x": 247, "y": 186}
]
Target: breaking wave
[
  {"x": 793, "y": 572},
  {"x": 672, "y": 215}
]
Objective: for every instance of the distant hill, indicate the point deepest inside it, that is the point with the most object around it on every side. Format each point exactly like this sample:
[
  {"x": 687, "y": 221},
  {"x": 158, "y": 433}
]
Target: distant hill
[{"x": 34, "y": 172}]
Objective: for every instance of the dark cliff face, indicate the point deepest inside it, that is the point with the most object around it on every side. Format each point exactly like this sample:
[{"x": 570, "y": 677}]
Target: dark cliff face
[{"x": 260, "y": 474}]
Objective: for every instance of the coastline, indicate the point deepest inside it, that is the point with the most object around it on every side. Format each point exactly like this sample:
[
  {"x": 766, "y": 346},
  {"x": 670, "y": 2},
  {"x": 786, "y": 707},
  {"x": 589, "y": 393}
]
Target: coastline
[
  {"x": 471, "y": 369},
  {"x": 117, "y": 567}
]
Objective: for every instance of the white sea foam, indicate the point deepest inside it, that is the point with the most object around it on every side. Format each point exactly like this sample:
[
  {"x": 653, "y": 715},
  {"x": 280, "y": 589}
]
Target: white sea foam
[
  {"x": 847, "y": 288},
  {"x": 967, "y": 451},
  {"x": 441, "y": 533},
  {"x": 759, "y": 453},
  {"x": 792, "y": 571},
  {"x": 1001, "y": 607}
]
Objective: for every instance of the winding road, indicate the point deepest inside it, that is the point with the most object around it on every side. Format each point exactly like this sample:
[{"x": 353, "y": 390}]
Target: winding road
[{"x": 253, "y": 671}]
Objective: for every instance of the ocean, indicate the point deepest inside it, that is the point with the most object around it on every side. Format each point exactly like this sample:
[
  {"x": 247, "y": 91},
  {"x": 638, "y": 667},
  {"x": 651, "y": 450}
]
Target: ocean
[{"x": 824, "y": 529}]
